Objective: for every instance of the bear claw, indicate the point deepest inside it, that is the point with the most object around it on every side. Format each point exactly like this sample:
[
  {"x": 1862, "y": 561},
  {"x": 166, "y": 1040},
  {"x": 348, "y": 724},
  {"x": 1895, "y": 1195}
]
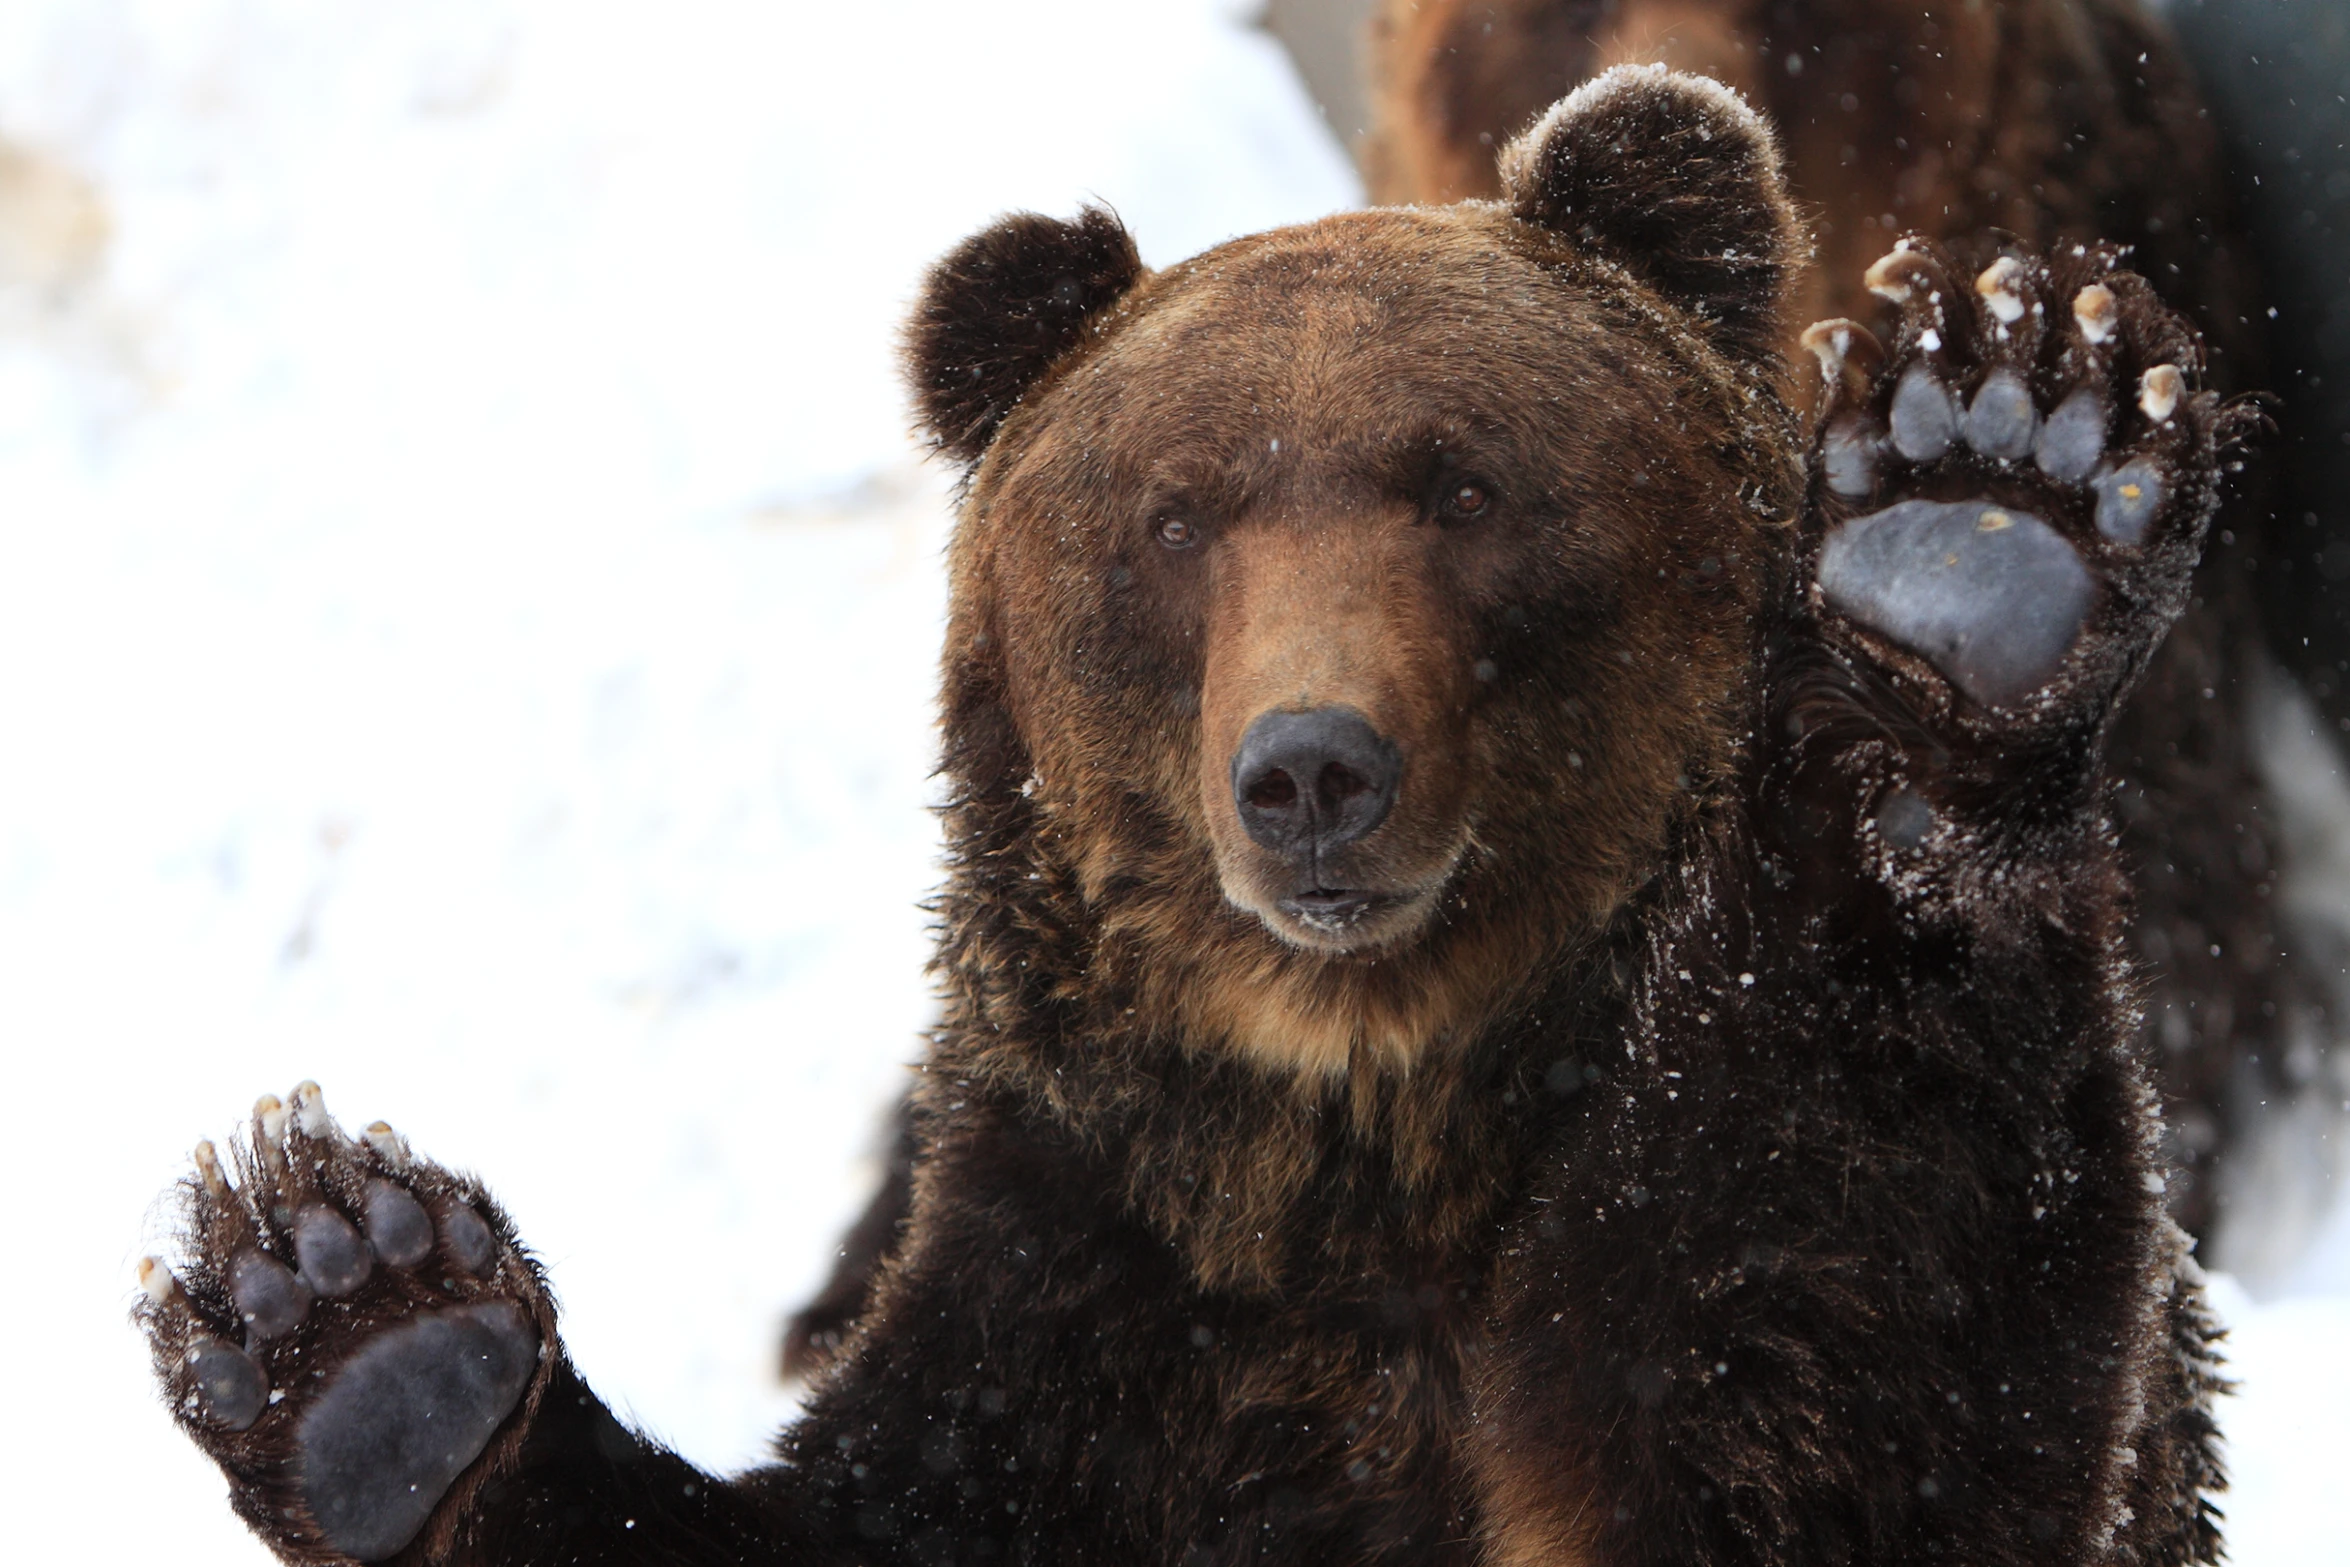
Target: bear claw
[
  {"x": 208, "y": 1170},
  {"x": 2097, "y": 313},
  {"x": 2002, "y": 285},
  {"x": 156, "y": 1280},
  {"x": 1844, "y": 349},
  {"x": 1909, "y": 275},
  {"x": 389, "y": 1146},
  {"x": 310, "y": 1111}
]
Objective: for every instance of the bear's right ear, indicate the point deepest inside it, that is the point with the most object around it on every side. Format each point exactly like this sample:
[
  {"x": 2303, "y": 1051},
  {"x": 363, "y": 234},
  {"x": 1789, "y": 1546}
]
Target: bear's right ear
[
  {"x": 1674, "y": 179},
  {"x": 999, "y": 309}
]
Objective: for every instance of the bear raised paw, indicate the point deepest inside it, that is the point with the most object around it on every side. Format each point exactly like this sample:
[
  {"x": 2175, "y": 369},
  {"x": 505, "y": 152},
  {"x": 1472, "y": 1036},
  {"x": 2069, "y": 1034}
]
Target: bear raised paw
[
  {"x": 349, "y": 1333},
  {"x": 2019, "y": 499}
]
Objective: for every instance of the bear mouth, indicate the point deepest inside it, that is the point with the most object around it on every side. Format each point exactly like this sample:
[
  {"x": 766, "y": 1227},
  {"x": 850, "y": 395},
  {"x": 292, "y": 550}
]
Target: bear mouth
[
  {"x": 1346, "y": 921},
  {"x": 1335, "y": 910},
  {"x": 1313, "y": 910}
]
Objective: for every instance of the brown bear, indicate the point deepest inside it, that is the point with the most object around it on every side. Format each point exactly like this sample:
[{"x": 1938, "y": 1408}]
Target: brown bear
[
  {"x": 1533, "y": 961},
  {"x": 2052, "y": 122}
]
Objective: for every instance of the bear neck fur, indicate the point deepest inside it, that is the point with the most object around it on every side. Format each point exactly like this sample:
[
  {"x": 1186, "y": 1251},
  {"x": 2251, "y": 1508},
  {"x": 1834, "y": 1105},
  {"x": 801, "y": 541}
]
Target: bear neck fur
[{"x": 1255, "y": 1172}]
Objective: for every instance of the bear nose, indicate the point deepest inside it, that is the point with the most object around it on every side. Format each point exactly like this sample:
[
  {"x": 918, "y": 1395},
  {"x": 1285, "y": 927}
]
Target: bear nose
[{"x": 1308, "y": 783}]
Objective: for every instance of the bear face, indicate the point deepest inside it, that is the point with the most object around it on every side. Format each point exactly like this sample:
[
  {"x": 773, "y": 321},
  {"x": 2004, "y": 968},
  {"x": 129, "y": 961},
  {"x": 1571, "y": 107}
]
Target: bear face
[{"x": 1344, "y": 593}]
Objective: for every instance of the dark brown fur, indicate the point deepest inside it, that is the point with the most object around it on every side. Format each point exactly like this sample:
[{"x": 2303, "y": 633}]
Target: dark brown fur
[{"x": 1691, "y": 1170}]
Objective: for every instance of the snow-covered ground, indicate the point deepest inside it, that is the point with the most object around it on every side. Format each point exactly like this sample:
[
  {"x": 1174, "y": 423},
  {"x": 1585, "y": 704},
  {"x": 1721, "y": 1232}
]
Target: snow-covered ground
[{"x": 467, "y": 610}]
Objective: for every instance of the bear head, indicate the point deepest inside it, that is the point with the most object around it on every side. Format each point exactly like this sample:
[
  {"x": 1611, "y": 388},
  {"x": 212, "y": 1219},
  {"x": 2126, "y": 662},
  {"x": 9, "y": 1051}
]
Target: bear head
[{"x": 1350, "y": 614}]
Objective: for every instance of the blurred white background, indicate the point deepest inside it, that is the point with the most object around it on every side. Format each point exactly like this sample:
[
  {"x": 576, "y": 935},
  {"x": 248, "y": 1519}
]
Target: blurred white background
[{"x": 467, "y": 611}]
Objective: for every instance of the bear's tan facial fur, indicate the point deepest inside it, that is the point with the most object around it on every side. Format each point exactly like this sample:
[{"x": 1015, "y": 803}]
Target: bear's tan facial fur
[
  {"x": 1245, "y": 498},
  {"x": 1339, "y": 601}
]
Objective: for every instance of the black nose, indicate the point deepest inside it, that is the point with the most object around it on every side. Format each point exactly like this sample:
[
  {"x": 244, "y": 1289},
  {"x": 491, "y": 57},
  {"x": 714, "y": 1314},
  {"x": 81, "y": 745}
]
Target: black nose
[{"x": 1308, "y": 783}]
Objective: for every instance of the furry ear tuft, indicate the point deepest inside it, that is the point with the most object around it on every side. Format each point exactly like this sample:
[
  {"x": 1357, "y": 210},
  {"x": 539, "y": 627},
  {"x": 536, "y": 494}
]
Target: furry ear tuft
[
  {"x": 999, "y": 308},
  {"x": 1676, "y": 180}
]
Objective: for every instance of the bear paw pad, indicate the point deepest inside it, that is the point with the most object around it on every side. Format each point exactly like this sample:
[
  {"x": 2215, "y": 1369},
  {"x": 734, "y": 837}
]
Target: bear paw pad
[
  {"x": 405, "y": 1416},
  {"x": 1993, "y": 598}
]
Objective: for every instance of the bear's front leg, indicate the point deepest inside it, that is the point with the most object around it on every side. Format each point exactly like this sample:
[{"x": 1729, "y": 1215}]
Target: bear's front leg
[
  {"x": 1858, "y": 1254},
  {"x": 355, "y": 1335}
]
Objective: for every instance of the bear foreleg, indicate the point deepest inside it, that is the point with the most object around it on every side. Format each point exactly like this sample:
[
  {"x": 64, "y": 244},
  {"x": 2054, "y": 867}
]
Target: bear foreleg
[{"x": 1861, "y": 1255}]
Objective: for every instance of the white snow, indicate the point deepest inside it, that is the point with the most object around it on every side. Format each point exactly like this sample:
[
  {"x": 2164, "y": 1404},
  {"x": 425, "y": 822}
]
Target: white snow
[{"x": 467, "y": 615}]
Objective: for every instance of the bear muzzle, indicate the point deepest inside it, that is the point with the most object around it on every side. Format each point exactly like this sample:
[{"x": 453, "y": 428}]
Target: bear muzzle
[{"x": 1310, "y": 789}]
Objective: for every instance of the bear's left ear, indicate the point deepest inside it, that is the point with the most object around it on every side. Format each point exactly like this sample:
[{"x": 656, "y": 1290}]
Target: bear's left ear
[
  {"x": 1676, "y": 180},
  {"x": 999, "y": 308}
]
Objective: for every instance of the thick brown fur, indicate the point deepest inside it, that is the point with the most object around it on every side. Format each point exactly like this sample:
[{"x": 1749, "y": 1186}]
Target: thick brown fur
[
  {"x": 2044, "y": 121},
  {"x": 1711, "y": 1135}
]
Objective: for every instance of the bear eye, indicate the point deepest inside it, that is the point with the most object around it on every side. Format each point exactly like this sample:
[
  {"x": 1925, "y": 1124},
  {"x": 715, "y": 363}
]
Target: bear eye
[
  {"x": 1176, "y": 533},
  {"x": 1463, "y": 499}
]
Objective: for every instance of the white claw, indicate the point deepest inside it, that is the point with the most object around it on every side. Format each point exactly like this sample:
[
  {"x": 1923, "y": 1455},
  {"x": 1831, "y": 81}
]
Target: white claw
[
  {"x": 2158, "y": 392},
  {"x": 155, "y": 1278},
  {"x": 1832, "y": 347},
  {"x": 389, "y": 1145},
  {"x": 208, "y": 1167},
  {"x": 1841, "y": 347},
  {"x": 269, "y": 1117},
  {"x": 1999, "y": 286},
  {"x": 2094, "y": 309},
  {"x": 310, "y": 1111},
  {"x": 1884, "y": 277}
]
